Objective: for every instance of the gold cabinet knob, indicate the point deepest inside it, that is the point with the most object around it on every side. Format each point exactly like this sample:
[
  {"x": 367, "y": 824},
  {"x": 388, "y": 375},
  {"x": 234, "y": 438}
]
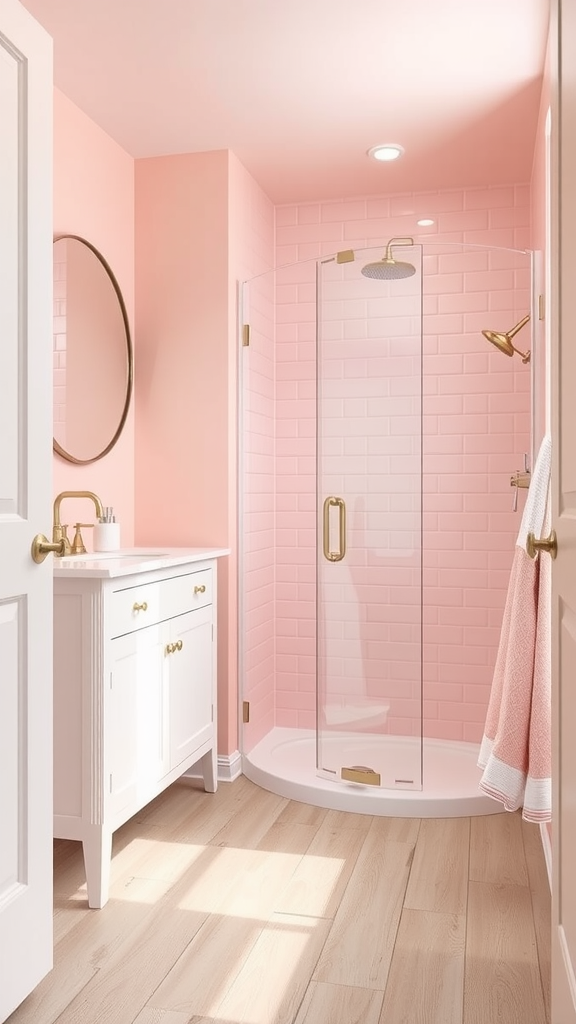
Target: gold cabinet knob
[
  {"x": 172, "y": 648},
  {"x": 179, "y": 645},
  {"x": 200, "y": 590},
  {"x": 549, "y": 544},
  {"x": 140, "y": 607}
]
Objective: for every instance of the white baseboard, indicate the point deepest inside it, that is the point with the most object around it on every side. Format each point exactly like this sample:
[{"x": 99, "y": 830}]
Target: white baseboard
[
  {"x": 229, "y": 768},
  {"x": 547, "y": 847}
]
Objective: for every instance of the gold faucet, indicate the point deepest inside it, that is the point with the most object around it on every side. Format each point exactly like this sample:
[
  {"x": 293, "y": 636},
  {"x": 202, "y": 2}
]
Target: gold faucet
[{"x": 58, "y": 530}]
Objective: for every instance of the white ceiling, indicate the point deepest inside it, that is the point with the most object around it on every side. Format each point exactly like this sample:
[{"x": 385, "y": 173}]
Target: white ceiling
[{"x": 300, "y": 89}]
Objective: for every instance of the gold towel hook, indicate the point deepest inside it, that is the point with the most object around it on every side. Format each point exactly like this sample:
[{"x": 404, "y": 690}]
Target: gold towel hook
[{"x": 549, "y": 544}]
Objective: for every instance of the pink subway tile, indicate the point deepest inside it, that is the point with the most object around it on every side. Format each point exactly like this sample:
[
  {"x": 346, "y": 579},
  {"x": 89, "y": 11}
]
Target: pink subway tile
[
  {"x": 473, "y": 732},
  {"x": 461, "y": 262},
  {"x": 444, "y": 502},
  {"x": 307, "y": 720},
  {"x": 464, "y": 558},
  {"x": 445, "y": 691},
  {"x": 489, "y": 198},
  {"x": 462, "y": 712},
  {"x": 442, "y": 730},
  {"x": 443, "y": 284},
  {"x": 343, "y": 211},
  {"x": 461, "y": 302},
  {"x": 509, "y": 216},
  {"x": 308, "y": 213},
  {"x": 284, "y": 215},
  {"x": 471, "y": 219}
]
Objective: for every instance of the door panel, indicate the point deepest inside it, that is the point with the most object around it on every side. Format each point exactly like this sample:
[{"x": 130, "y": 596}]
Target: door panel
[
  {"x": 189, "y": 681},
  {"x": 563, "y": 216},
  {"x": 25, "y": 499}
]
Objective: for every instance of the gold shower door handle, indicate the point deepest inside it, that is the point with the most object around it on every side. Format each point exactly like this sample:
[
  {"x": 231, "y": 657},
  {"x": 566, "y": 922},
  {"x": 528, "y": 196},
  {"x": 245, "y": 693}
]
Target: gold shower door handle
[{"x": 340, "y": 504}]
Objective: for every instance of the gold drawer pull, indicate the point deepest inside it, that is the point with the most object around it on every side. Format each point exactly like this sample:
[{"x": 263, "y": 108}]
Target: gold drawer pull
[
  {"x": 172, "y": 648},
  {"x": 200, "y": 590},
  {"x": 140, "y": 607}
]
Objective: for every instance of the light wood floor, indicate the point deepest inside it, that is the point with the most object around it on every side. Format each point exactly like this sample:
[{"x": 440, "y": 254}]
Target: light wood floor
[{"x": 245, "y": 908}]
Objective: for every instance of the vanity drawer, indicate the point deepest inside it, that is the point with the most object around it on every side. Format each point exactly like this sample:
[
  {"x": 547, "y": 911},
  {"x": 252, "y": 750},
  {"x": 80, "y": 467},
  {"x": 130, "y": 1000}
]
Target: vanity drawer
[
  {"x": 185, "y": 593},
  {"x": 134, "y": 608},
  {"x": 137, "y": 607}
]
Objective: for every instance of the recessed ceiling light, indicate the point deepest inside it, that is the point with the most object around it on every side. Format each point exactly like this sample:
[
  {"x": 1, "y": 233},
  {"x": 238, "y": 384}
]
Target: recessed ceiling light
[
  {"x": 386, "y": 151},
  {"x": 425, "y": 222}
]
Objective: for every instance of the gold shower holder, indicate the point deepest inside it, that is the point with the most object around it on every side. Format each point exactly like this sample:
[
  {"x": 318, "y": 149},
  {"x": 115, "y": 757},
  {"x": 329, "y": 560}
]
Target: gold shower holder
[
  {"x": 520, "y": 479},
  {"x": 503, "y": 339}
]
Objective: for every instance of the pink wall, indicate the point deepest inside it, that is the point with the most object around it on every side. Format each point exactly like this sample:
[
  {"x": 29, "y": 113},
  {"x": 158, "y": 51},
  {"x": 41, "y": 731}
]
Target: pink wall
[
  {"x": 201, "y": 222},
  {"x": 252, "y": 256},
  {"x": 202, "y": 225},
  {"x": 94, "y": 198},
  {"x": 476, "y": 428}
]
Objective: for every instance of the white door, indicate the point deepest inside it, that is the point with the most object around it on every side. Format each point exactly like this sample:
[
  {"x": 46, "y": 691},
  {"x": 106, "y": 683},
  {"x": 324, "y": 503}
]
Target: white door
[
  {"x": 25, "y": 493},
  {"x": 564, "y": 516}
]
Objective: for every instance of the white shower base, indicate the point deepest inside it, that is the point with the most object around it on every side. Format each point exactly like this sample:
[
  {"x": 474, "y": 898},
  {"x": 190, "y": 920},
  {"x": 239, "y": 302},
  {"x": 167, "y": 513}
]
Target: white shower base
[{"x": 284, "y": 762}]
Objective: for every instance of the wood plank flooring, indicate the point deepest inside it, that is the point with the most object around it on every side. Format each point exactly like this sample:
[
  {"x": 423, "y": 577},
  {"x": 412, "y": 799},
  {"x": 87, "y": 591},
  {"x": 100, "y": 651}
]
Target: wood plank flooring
[{"x": 241, "y": 907}]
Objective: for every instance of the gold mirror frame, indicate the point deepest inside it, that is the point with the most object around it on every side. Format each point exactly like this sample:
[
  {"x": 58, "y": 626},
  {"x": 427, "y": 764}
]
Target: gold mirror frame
[{"x": 56, "y": 447}]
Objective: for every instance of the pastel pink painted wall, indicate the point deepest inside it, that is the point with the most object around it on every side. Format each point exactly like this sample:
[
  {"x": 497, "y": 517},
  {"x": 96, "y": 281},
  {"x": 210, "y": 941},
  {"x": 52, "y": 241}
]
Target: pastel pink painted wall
[
  {"x": 94, "y": 198},
  {"x": 476, "y": 427},
  {"x": 252, "y": 255},
  {"x": 251, "y": 236},
  {"x": 198, "y": 218}
]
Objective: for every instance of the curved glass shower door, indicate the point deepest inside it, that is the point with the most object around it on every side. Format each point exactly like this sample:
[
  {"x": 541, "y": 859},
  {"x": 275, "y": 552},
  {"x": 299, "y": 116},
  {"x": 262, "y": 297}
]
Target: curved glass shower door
[{"x": 369, "y": 550}]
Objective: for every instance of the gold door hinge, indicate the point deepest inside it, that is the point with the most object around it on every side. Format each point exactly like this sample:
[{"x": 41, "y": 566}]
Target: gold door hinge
[
  {"x": 245, "y": 711},
  {"x": 245, "y": 335},
  {"x": 541, "y": 307},
  {"x": 346, "y": 256}
]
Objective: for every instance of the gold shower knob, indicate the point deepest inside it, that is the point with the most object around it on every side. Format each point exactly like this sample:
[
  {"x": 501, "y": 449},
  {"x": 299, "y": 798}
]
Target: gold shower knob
[{"x": 549, "y": 544}]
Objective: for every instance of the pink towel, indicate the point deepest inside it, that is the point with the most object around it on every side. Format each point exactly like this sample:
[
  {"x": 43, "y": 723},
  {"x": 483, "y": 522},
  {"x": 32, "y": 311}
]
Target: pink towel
[{"x": 516, "y": 749}]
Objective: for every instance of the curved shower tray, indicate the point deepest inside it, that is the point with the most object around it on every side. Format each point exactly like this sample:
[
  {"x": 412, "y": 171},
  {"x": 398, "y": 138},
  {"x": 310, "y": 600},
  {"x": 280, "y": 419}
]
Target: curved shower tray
[{"x": 284, "y": 762}]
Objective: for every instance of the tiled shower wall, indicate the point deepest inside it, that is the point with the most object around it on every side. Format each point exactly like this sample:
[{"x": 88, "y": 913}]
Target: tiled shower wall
[{"x": 476, "y": 427}]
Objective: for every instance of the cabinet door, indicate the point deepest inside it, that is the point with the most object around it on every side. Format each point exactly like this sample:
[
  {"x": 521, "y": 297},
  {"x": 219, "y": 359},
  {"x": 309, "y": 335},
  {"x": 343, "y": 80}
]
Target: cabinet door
[
  {"x": 190, "y": 683},
  {"x": 136, "y": 720}
]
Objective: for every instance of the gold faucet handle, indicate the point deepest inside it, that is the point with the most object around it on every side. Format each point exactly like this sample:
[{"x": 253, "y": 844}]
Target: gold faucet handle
[{"x": 78, "y": 547}]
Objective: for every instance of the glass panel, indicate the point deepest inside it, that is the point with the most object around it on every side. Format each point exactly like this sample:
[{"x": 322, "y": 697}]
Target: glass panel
[{"x": 369, "y": 452}]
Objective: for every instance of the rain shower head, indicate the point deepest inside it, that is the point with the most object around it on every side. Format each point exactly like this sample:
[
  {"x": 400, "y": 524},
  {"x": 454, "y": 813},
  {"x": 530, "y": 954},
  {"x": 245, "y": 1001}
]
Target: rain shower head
[
  {"x": 389, "y": 269},
  {"x": 503, "y": 341}
]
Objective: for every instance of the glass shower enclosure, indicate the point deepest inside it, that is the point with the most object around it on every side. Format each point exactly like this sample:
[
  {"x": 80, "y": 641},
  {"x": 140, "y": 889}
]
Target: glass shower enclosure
[{"x": 369, "y": 517}]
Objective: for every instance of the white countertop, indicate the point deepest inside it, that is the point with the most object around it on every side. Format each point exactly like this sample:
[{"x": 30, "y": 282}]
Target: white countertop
[{"x": 128, "y": 561}]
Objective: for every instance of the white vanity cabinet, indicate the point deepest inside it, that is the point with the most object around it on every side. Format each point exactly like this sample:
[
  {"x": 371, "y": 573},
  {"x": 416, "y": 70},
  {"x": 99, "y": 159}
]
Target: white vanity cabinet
[{"x": 134, "y": 694}]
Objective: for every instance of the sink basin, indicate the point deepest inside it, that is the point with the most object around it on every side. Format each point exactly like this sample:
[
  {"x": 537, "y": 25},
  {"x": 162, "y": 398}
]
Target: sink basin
[{"x": 92, "y": 556}]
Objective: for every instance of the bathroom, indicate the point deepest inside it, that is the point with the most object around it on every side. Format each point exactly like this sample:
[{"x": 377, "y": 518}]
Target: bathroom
[{"x": 128, "y": 210}]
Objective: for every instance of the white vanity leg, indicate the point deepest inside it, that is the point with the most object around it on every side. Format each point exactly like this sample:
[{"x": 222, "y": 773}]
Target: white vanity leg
[
  {"x": 97, "y": 848},
  {"x": 209, "y": 764}
]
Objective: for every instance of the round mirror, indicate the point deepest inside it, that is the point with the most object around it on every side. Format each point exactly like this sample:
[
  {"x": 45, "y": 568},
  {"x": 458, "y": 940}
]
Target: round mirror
[{"x": 93, "y": 363}]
